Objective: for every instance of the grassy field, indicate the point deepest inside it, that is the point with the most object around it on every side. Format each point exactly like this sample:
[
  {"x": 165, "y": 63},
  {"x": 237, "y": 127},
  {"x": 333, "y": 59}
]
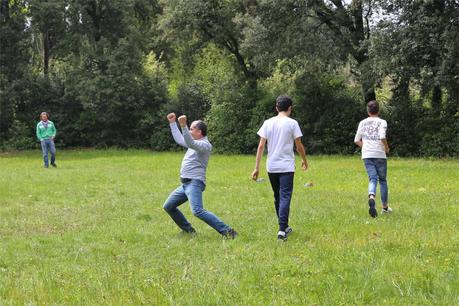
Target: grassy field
[{"x": 93, "y": 232}]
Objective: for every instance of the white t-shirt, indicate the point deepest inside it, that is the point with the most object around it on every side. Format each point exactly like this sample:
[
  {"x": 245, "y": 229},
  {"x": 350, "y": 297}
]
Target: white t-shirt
[
  {"x": 280, "y": 132},
  {"x": 371, "y": 130}
]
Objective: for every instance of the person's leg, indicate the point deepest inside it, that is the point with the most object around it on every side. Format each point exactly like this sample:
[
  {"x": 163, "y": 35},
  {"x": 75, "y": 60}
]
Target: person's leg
[
  {"x": 175, "y": 199},
  {"x": 381, "y": 168},
  {"x": 275, "y": 185},
  {"x": 370, "y": 166},
  {"x": 52, "y": 149},
  {"x": 44, "y": 150},
  {"x": 193, "y": 191},
  {"x": 285, "y": 196}
]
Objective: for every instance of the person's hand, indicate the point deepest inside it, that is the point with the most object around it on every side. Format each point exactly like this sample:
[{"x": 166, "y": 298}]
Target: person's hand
[
  {"x": 304, "y": 165},
  {"x": 171, "y": 117},
  {"x": 255, "y": 174},
  {"x": 182, "y": 120}
]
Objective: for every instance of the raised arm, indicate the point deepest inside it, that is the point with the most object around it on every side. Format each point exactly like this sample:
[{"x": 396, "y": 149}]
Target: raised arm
[
  {"x": 200, "y": 146},
  {"x": 178, "y": 137}
]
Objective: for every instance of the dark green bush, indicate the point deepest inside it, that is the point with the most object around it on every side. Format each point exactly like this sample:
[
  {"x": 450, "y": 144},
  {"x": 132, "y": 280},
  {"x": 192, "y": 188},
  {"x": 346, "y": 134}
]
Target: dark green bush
[{"x": 328, "y": 114}]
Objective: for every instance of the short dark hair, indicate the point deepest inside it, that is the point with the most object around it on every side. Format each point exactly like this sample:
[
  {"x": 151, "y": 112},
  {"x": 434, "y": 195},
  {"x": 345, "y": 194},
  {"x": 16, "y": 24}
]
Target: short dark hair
[
  {"x": 202, "y": 126},
  {"x": 283, "y": 102},
  {"x": 373, "y": 107},
  {"x": 46, "y": 113}
]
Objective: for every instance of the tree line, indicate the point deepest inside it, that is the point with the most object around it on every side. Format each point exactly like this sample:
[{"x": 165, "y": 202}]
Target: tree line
[{"x": 109, "y": 71}]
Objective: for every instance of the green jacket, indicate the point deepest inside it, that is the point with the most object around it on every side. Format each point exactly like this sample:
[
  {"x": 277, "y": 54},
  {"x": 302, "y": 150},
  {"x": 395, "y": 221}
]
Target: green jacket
[{"x": 46, "y": 133}]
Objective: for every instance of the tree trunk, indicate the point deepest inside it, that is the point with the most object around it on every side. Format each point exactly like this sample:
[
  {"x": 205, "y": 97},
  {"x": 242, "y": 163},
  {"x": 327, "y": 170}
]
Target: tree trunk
[
  {"x": 6, "y": 104},
  {"x": 4, "y": 11},
  {"x": 367, "y": 84},
  {"x": 249, "y": 74},
  {"x": 402, "y": 132},
  {"x": 46, "y": 52},
  {"x": 436, "y": 101},
  {"x": 348, "y": 26}
]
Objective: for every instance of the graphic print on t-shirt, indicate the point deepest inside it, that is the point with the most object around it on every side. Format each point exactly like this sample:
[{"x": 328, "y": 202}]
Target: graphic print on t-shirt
[{"x": 370, "y": 130}]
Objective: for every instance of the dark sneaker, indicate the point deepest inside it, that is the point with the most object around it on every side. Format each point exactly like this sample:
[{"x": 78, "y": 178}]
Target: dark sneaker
[
  {"x": 372, "y": 211},
  {"x": 54, "y": 165},
  {"x": 281, "y": 236},
  {"x": 191, "y": 231},
  {"x": 288, "y": 230},
  {"x": 231, "y": 234}
]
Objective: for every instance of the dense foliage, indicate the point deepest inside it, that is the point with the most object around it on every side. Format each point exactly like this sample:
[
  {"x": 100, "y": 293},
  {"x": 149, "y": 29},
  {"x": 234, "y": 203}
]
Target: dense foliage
[{"x": 109, "y": 71}]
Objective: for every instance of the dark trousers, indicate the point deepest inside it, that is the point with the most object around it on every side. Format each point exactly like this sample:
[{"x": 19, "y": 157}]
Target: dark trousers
[{"x": 282, "y": 185}]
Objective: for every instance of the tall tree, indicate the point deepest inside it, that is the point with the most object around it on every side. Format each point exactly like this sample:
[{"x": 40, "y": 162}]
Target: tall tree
[
  {"x": 14, "y": 55},
  {"x": 109, "y": 48},
  {"x": 350, "y": 25},
  {"x": 420, "y": 38},
  {"x": 274, "y": 31},
  {"x": 212, "y": 21},
  {"x": 47, "y": 18},
  {"x": 416, "y": 43}
]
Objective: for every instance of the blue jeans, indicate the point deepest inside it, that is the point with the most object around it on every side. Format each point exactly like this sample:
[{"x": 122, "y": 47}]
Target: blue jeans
[
  {"x": 48, "y": 145},
  {"x": 377, "y": 169},
  {"x": 192, "y": 191},
  {"x": 282, "y": 185}
]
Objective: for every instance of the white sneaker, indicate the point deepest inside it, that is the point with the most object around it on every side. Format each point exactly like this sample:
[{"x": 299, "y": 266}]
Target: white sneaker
[
  {"x": 281, "y": 236},
  {"x": 384, "y": 211}
]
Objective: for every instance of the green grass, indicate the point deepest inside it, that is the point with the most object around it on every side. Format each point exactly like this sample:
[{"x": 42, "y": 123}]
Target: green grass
[{"x": 94, "y": 232}]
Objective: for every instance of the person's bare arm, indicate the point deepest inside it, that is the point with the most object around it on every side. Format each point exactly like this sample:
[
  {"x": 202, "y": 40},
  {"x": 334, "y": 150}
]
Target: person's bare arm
[
  {"x": 358, "y": 136},
  {"x": 260, "y": 150},
  {"x": 178, "y": 137},
  {"x": 386, "y": 145},
  {"x": 300, "y": 149}
]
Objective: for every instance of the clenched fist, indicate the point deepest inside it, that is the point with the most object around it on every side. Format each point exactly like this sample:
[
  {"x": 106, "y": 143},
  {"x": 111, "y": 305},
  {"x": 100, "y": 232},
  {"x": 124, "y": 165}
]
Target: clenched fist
[
  {"x": 182, "y": 120},
  {"x": 171, "y": 117}
]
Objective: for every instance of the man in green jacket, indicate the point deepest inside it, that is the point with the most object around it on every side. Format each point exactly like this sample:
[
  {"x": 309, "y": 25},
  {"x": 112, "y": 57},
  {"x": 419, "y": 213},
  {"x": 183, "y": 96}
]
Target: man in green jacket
[{"x": 46, "y": 131}]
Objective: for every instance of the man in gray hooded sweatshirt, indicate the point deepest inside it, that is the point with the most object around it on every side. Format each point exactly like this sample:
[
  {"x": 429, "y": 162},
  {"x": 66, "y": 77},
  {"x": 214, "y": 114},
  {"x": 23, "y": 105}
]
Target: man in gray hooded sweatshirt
[{"x": 193, "y": 177}]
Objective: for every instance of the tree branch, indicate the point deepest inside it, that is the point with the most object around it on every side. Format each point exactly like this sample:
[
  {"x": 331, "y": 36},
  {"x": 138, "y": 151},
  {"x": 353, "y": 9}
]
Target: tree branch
[{"x": 367, "y": 19}]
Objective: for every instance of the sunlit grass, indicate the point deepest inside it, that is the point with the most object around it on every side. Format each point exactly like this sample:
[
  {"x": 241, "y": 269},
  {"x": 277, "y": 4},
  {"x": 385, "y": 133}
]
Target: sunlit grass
[{"x": 94, "y": 232}]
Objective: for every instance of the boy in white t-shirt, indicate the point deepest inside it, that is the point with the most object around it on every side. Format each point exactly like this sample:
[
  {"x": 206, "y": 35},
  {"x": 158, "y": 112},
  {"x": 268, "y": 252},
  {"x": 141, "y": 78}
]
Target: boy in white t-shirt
[
  {"x": 281, "y": 133},
  {"x": 371, "y": 137}
]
